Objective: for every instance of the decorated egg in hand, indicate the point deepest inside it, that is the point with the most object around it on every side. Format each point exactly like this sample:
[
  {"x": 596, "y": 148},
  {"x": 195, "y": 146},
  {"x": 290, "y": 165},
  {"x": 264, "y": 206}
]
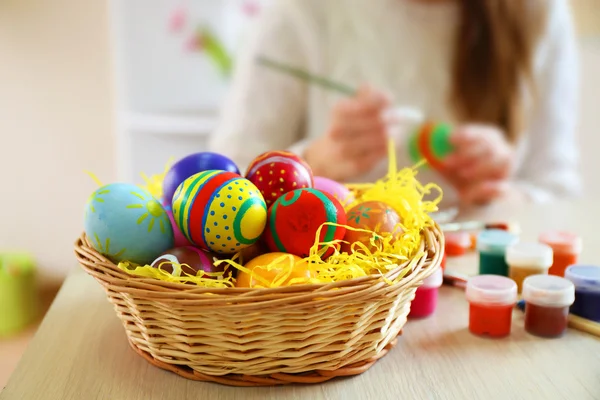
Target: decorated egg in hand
[
  {"x": 295, "y": 218},
  {"x": 219, "y": 211},
  {"x": 276, "y": 173},
  {"x": 260, "y": 276},
  {"x": 189, "y": 260},
  {"x": 180, "y": 239},
  {"x": 374, "y": 216},
  {"x": 125, "y": 223},
  {"x": 191, "y": 165},
  {"x": 336, "y": 189}
]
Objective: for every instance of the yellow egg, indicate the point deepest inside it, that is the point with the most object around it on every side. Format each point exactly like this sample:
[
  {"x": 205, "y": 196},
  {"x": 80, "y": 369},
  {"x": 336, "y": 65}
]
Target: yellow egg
[{"x": 299, "y": 269}]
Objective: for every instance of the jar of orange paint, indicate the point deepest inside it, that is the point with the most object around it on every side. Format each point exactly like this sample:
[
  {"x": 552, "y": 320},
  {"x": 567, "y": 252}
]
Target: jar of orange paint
[
  {"x": 525, "y": 259},
  {"x": 566, "y": 247},
  {"x": 491, "y": 301}
]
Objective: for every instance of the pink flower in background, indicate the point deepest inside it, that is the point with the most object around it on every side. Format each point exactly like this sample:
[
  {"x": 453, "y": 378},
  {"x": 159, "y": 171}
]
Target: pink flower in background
[
  {"x": 251, "y": 8},
  {"x": 178, "y": 19},
  {"x": 194, "y": 43}
]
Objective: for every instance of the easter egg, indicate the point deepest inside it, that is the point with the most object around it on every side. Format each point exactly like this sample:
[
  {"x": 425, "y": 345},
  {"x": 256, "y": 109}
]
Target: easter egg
[
  {"x": 125, "y": 223},
  {"x": 180, "y": 239},
  {"x": 191, "y": 165},
  {"x": 282, "y": 263},
  {"x": 295, "y": 218},
  {"x": 219, "y": 211},
  {"x": 374, "y": 216},
  {"x": 431, "y": 141},
  {"x": 336, "y": 189},
  {"x": 276, "y": 173},
  {"x": 189, "y": 260}
]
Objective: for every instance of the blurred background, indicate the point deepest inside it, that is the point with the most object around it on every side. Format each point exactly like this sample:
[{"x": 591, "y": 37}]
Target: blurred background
[{"x": 118, "y": 88}]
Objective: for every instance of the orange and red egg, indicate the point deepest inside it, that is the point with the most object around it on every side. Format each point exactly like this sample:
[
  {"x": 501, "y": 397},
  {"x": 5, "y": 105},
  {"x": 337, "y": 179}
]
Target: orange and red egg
[{"x": 373, "y": 216}]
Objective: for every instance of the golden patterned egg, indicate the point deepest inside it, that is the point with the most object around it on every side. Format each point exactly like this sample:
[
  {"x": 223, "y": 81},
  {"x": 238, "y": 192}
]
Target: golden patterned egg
[{"x": 374, "y": 216}]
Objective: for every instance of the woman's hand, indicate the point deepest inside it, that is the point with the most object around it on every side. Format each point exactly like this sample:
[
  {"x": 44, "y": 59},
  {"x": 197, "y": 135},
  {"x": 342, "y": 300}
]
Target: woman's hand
[
  {"x": 356, "y": 139},
  {"x": 480, "y": 165}
]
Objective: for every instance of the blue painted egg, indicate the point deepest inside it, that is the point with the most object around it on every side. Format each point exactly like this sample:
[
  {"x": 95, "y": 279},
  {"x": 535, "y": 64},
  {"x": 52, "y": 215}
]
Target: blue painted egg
[{"x": 125, "y": 223}]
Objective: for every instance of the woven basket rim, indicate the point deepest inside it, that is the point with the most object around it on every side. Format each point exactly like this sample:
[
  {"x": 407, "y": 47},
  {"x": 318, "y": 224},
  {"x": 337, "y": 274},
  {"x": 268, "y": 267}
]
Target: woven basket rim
[{"x": 88, "y": 257}]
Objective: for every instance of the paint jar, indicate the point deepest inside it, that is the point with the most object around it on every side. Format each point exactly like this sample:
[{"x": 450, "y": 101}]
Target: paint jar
[
  {"x": 491, "y": 302},
  {"x": 492, "y": 245},
  {"x": 586, "y": 279},
  {"x": 19, "y": 294},
  {"x": 457, "y": 243},
  {"x": 426, "y": 296},
  {"x": 527, "y": 258},
  {"x": 547, "y": 300},
  {"x": 566, "y": 247}
]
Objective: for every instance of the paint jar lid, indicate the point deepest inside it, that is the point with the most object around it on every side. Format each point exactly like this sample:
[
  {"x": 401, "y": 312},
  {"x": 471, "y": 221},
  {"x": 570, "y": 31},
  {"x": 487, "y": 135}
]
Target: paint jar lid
[
  {"x": 495, "y": 241},
  {"x": 434, "y": 280},
  {"x": 548, "y": 290},
  {"x": 529, "y": 255},
  {"x": 561, "y": 241},
  {"x": 584, "y": 276},
  {"x": 491, "y": 289}
]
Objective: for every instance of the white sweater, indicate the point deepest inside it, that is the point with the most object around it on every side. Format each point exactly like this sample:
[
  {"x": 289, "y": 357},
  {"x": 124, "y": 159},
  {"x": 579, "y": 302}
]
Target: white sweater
[{"x": 403, "y": 47}]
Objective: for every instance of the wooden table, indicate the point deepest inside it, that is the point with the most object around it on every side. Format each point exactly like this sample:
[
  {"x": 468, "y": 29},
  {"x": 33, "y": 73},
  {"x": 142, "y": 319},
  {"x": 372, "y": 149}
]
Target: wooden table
[{"x": 80, "y": 351}]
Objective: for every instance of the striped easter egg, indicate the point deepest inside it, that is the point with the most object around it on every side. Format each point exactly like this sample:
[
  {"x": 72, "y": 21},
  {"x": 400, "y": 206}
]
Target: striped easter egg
[
  {"x": 276, "y": 173},
  {"x": 294, "y": 219},
  {"x": 219, "y": 211}
]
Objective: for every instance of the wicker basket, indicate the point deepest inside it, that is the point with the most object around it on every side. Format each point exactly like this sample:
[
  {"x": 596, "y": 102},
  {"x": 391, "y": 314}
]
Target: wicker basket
[{"x": 256, "y": 337}]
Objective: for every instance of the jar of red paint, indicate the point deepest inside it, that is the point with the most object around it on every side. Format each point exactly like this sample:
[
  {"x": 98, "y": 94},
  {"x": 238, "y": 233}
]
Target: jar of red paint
[
  {"x": 547, "y": 301},
  {"x": 491, "y": 302},
  {"x": 566, "y": 247},
  {"x": 426, "y": 296},
  {"x": 586, "y": 279}
]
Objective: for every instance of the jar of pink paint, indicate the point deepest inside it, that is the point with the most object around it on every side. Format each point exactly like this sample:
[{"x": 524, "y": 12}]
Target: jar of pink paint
[{"x": 426, "y": 297}]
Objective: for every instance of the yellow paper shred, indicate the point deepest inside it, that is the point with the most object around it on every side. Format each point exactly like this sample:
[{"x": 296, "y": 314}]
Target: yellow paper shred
[
  {"x": 94, "y": 178},
  {"x": 214, "y": 279},
  {"x": 153, "y": 183}
]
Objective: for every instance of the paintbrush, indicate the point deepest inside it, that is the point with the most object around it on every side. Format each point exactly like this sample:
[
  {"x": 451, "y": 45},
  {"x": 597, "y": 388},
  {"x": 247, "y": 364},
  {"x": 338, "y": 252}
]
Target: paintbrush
[
  {"x": 307, "y": 76},
  {"x": 455, "y": 279},
  {"x": 408, "y": 114}
]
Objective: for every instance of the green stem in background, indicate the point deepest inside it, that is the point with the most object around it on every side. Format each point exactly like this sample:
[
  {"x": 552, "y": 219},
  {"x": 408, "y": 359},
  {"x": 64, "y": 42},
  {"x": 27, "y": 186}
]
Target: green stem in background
[
  {"x": 216, "y": 51},
  {"x": 307, "y": 76}
]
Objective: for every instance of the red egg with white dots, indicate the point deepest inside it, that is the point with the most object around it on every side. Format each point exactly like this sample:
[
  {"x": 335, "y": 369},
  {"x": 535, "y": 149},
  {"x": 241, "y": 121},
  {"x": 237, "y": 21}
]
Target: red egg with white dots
[{"x": 276, "y": 173}]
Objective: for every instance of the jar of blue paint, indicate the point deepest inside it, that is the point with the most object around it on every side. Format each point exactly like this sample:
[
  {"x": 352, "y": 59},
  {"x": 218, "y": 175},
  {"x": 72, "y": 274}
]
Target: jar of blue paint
[
  {"x": 586, "y": 279},
  {"x": 491, "y": 245}
]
